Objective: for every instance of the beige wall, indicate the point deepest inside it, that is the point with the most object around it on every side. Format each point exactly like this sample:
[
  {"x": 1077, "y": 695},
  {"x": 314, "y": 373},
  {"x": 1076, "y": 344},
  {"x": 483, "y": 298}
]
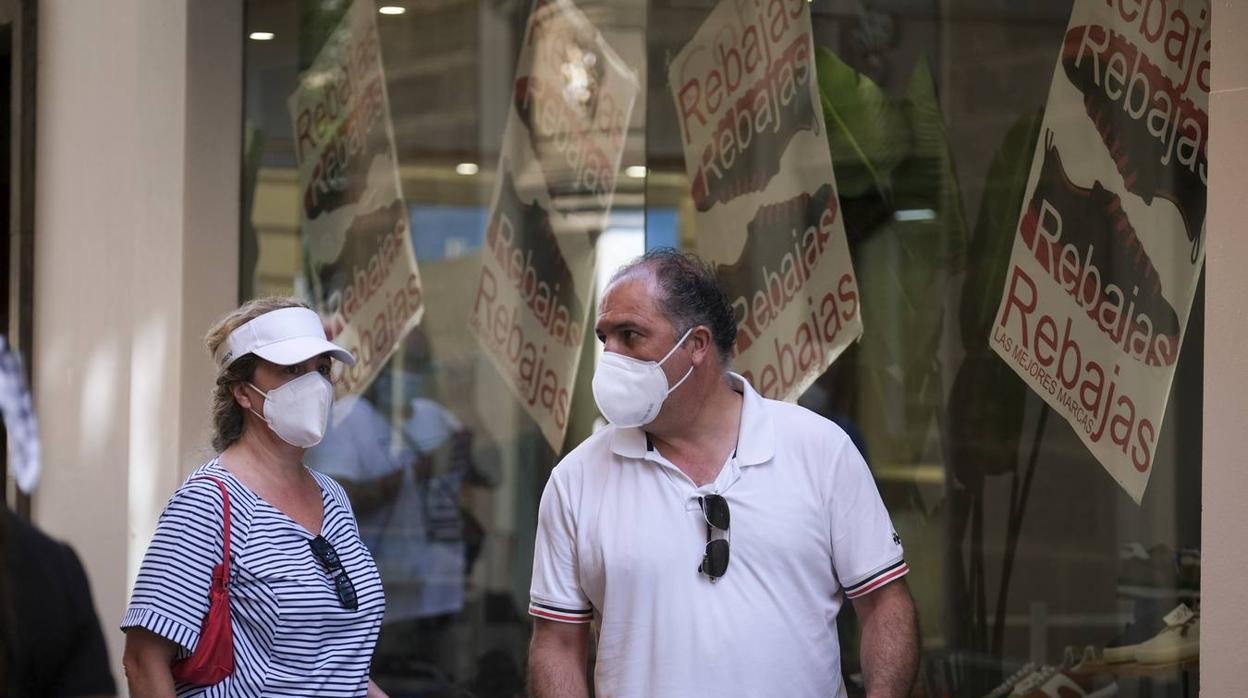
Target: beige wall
[
  {"x": 1224, "y": 613},
  {"x": 136, "y": 251}
]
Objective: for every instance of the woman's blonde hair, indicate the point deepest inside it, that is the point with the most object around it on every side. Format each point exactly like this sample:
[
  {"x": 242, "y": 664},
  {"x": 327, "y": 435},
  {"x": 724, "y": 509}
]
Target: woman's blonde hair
[{"x": 227, "y": 414}]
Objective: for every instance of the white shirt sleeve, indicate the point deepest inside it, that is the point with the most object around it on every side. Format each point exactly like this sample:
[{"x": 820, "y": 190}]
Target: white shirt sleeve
[
  {"x": 556, "y": 592},
  {"x": 866, "y": 550}
]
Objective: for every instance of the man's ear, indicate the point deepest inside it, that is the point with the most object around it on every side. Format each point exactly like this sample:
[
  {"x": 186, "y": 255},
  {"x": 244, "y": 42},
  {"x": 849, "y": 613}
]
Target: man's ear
[{"x": 700, "y": 344}]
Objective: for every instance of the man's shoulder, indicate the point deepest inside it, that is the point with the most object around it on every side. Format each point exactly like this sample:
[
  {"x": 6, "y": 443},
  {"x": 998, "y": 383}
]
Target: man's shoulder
[
  {"x": 593, "y": 451},
  {"x": 792, "y": 421},
  {"x": 809, "y": 437}
]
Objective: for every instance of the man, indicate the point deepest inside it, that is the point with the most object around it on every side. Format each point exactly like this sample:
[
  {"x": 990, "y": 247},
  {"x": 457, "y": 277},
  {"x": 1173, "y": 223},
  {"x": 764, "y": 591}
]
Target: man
[{"x": 712, "y": 533}]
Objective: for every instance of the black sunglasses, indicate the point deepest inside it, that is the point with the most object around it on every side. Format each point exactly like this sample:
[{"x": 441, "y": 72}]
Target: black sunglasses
[
  {"x": 715, "y": 559},
  {"x": 342, "y": 583}
]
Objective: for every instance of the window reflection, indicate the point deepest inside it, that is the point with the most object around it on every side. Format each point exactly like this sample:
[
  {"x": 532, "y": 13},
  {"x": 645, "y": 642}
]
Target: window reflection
[{"x": 1020, "y": 545}]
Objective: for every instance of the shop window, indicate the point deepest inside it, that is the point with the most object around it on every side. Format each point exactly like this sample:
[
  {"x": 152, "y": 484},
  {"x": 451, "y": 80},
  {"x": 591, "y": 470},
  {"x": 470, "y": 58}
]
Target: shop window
[{"x": 1050, "y": 526}]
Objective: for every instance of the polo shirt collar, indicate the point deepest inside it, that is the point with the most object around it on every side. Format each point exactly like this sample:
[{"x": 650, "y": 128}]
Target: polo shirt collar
[
  {"x": 755, "y": 445},
  {"x": 629, "y": 443}
]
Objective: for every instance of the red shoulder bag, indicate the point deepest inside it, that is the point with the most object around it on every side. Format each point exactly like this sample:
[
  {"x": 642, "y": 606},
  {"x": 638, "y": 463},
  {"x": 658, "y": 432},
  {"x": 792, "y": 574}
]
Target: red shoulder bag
[{"x": 213, "y": 658}]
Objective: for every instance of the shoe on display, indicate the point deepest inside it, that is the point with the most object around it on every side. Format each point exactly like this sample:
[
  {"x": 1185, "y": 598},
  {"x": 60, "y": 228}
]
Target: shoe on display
[
  {"x": 1121, "y": 649},
  {"x": 1147, "y": 620},
  {"x": 1010, "y": 681},
  {"x": 1070, "y": 684},
  {"x": 1078, "y": 659},
  {"x": 1179, "y": 641},
  {"x": 1089, "y": 662},
  {"x": 1033, "y": 680}
]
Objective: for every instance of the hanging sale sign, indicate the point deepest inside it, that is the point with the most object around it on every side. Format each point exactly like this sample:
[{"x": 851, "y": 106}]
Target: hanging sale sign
[
  {"x": 768, "y": 217},
  {"x": 1109, "y": 248},
  {"x": 354, "y": 223},
  {"x": 571, "y": 102}
]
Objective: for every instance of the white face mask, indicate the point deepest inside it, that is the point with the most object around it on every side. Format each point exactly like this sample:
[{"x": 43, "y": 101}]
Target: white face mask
[
  {"x": 630, "y": 392},
  {"x": 298, "y": 411}
]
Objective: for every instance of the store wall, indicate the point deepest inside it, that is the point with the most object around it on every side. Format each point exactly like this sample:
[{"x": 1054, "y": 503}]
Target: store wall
[
  {"x": 1224, "y": 614},
  {"x": 136, "y": 253}
]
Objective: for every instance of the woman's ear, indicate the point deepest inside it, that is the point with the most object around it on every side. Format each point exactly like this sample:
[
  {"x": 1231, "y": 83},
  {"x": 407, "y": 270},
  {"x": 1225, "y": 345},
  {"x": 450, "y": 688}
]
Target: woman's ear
[{"x": 241, "y": 395}]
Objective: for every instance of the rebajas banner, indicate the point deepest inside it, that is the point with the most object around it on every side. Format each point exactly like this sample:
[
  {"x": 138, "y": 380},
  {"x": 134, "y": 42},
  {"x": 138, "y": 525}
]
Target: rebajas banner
[
  {"x": 1109, "y": 245},
  {"x": 767, "y": 211},
  {"x": 571, "y": 102}
]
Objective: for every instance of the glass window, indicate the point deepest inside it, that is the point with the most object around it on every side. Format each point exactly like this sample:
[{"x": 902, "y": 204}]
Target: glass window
[
  {"x": 17, "y": 186},
  {"x": 1043, "y": 525}
]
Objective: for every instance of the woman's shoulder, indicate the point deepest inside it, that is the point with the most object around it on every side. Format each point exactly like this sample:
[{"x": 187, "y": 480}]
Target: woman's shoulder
[
  {"x": 331, "y": 486},
  {"x": 201, "y": 485},
  {"x": 194, "y": 514},
  {"x": 201, "y": 493}
]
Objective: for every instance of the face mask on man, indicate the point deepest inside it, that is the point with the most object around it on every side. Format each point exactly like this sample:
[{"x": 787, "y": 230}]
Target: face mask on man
[
  {"x": 630, "y": 392},
  {"x": 298, "y": 411}
]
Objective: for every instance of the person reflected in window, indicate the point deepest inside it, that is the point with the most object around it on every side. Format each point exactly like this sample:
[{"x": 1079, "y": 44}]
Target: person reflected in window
[{"x": 404, "y": 459}]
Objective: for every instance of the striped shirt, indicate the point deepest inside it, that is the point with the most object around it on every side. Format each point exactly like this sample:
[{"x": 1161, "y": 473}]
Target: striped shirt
[{"x": 292, "y": 637}]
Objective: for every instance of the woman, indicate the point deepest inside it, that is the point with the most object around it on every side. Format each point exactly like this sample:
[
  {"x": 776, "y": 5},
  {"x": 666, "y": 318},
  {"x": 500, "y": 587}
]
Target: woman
[{"x": 304, "y": 592}]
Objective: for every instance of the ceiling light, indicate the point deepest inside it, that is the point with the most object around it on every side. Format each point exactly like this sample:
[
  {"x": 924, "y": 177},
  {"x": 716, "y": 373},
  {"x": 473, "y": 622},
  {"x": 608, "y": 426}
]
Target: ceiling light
[
  {"x": 466, "y": 168},
  {"x": 391, "y": 10},
  {"x": 914, "y": 214},
  {"x": 635, "y": 171},
  {"x": 260, "y": 36}
]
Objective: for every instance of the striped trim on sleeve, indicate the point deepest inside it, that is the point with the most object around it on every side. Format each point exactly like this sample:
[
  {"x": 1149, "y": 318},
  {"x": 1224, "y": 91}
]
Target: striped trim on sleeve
[
  {"x": 563, "y": 615},
  {"x": 891, "y": 572},
  {"x": 186, "y": 638}
]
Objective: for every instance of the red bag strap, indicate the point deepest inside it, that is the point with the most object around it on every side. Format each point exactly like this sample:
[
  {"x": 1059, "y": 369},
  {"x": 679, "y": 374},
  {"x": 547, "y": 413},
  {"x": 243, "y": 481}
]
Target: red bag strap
[{"x": 225, "y": 501}]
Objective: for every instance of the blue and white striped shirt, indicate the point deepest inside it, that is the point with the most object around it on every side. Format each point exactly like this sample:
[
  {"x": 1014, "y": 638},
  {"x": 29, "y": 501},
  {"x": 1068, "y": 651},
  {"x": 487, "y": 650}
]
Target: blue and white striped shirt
[{"x": 292, "y": 637}]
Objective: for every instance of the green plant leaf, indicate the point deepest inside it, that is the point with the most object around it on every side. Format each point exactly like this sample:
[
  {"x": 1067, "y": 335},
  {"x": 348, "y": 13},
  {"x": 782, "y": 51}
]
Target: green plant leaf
[
  {"x": 926, "y": 194},
  {"x": 986, "y": 407},
  {"x": 867, "y": 134},
  {"x": 990, "y": 248},
  {"x": 907, "y": 258},
  {"x": 987, "y": 403}
]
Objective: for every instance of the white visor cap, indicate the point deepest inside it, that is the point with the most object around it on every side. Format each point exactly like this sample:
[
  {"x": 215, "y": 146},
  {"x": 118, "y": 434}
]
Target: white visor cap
[{"x": 285, "y": 336}]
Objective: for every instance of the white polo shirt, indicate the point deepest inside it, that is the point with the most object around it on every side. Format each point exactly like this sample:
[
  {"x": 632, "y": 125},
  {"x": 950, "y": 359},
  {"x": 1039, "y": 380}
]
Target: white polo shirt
[{"x": 621, "y": 534}]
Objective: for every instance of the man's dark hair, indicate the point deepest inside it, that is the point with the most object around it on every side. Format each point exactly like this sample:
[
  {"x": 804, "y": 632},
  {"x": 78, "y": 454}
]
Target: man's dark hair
[{"x": 690, "y": 295}]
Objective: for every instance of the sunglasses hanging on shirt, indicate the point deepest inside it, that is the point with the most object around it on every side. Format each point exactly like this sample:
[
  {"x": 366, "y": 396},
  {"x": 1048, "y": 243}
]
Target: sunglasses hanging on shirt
[
  {"x": 715, "y": 558},
  {"x": 325, "y": 552}
]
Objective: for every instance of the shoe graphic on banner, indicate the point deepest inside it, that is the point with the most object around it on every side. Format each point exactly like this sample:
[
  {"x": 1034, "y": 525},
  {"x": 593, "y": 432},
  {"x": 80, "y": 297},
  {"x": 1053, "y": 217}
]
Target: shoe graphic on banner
[{"x": 1108, "y": 241}]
